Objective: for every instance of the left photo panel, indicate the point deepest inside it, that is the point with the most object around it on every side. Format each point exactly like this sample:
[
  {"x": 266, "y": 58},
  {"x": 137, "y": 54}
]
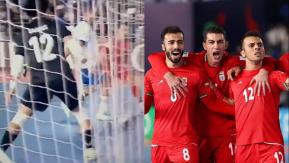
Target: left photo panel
[{"x": 71, "y": 81}]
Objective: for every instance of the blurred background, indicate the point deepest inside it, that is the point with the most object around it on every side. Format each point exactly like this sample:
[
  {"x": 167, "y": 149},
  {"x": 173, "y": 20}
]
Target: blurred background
[{"x": 270, "y": 17}]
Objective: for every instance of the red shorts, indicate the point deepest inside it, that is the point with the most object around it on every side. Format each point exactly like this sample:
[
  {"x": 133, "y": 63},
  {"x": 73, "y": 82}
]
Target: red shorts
[
  {"x": 175, "y": 154},
  {"x": 260, "y": 153},
  {"x": 217, "y": 149}
]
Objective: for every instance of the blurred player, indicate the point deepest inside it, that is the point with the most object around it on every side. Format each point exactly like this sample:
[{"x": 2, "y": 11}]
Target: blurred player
[
  {"x": 41, "y": 48},
  {"x": 175, "y": 138},
  {"x": 259, "y": 137},
  {"x": 78, "y": 57},
  {"x": 114, "y": 54},
  {"x": 215, "y": 145}
]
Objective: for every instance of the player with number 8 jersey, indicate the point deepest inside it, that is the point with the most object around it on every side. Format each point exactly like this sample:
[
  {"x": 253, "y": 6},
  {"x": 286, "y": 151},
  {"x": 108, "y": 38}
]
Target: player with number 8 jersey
[{"x": 174, "y": 138}]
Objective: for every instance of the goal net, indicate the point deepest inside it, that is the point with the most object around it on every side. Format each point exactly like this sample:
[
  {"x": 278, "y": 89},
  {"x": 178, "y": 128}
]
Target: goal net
[{"x": 109, "y": 79}]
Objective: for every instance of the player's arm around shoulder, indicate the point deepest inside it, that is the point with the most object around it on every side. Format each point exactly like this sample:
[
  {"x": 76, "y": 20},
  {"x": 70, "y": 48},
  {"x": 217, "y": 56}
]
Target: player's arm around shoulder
[{"x": 280, "y": 79}]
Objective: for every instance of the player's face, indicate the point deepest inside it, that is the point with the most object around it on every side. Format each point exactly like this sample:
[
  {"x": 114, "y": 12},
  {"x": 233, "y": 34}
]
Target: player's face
[
  {"x": 173, "y": 45},
  {"x": 253, "y": 49},
  {"x": 215, "y": 45}
]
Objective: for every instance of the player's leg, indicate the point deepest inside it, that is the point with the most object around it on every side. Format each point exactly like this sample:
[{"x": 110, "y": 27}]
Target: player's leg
[
  {"x": 103, "y": 112},
  {"x": 15, "y": 126},
  {"x": 69, "y": 97},
  {"x": 226, "y": 150},
  {"x": 159, "y": 154},
  {"x": 34, "y": 98},
  {"x": 271, "y": 153},
  {"x": 86, "y": 130},
  {"x": 4, "y": 158},
  {"x": 184, "y": 153}
]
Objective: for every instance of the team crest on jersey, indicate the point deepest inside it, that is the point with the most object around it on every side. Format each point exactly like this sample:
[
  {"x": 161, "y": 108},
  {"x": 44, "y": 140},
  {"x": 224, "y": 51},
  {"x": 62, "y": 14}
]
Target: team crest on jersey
[
  {"x": 222, "y": 76},
  {"x": 185, "y": 54}
]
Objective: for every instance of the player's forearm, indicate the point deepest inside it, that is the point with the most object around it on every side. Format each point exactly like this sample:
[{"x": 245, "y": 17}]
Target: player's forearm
[
  {"x": 215, "y": 101},
  {"x": 219, "y": 106},
  {"x": 158, "y": 63},
  {"x": 148, "y": 102},
  {"x": 16, "y": 70},
  {"x": 18, "y": 65}
]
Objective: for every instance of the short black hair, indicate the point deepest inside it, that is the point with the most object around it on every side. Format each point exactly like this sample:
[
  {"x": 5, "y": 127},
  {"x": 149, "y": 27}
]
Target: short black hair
[
  {"x": 214, "y": 29},
  {"x": 170, "y": 29},
  {"x": 40, "y": 5},
  {"x": 250, "y": 34}
]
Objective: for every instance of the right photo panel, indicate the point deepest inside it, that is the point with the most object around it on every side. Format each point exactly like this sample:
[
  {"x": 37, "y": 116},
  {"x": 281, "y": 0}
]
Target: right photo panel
[{"x": 216, "y": 81}]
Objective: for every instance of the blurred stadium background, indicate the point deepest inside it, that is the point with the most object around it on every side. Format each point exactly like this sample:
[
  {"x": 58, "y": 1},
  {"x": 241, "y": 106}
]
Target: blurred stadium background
[
  {"x": 116, "y": 47},
  {"x": 270, "y": 17}
]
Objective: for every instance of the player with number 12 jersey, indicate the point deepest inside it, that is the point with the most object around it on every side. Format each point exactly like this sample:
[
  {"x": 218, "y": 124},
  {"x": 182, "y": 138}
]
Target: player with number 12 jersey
[{"x": 41, "y": 43}]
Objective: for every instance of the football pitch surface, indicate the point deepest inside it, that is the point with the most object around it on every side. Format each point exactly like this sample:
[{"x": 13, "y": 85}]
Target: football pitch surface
[{"x": 54, "y": 136}]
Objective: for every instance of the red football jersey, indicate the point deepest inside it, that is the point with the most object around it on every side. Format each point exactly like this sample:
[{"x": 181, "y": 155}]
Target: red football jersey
[
  {"x": 207, "y": 120},
  {"x": 257, "y": 117},
  {"x": 283, "y": 63},
  {"x": 208, "y": 123},
  {"x": 174, "y": 117}
]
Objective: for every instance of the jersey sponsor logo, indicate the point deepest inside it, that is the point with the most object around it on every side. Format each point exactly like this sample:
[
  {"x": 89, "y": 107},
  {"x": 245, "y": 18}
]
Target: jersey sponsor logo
[
  {"x": 222, "y": 76},
  {"x": 240, "y": 82},
  {"x": 185, "y": 54}
]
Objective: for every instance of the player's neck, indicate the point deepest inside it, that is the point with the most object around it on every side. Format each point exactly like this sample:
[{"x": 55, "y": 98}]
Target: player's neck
[
  {"x": 170, "y": 64},
  {"x": 253, "y": 65},
  {"x": 212, "y": 63}
]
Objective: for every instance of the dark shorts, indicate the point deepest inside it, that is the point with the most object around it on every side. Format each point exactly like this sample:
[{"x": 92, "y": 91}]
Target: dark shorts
[{"x": 38, "y": 96}]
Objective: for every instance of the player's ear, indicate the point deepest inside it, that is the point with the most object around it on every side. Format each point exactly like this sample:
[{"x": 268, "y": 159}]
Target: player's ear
[
  {"x": 243, "y": 53},
  {"x": 163, "y": 47},
  {"x": 226, "y": 44},
  {"x": 204, "y": 45}
]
